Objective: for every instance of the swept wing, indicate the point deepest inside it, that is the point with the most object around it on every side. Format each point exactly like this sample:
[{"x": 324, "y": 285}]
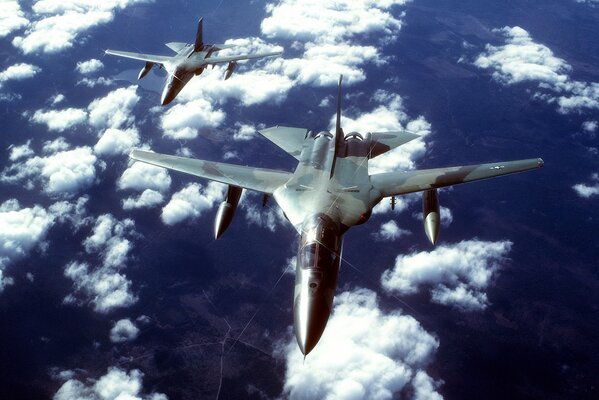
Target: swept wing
[
  {"x": 258, "y": 179},
  {"x": 140, "y": 56},
  {"x": 218, "y": 60},
  {"x": 289, "y": 139},
  {"x": 396, "y": 183}
]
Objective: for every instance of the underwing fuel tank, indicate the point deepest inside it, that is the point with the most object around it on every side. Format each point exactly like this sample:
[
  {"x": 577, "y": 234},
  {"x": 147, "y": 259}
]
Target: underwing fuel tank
[
  {"x": 144, "y": 71},
  {"x": 230, "y": 68},
  {"x": 431, "y": 214},
  {"x": 316, "y": 275},
  {"x": 226, "y": 211}
]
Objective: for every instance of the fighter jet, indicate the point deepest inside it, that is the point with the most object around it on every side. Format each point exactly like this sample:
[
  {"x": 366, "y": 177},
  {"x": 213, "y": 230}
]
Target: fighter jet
[
  {"x": 190, "y": 60},
  {"x": 330, "y": 191}
]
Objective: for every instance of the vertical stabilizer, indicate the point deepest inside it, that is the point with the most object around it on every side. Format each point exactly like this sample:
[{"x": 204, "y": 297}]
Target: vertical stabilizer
[
  {"x": 338, "y": 130},
  {"x": 199, "y": 45}
]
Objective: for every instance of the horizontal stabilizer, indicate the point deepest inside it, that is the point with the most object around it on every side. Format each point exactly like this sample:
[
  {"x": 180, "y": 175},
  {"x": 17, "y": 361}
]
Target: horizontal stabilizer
[
  {"x": 218, "y": 47},
  {"x": 176, "y": 46},
  {"x": 258, "y": 179},
  {"x": 289, "y": 139},
  {"x": 385, "y": 141},
  {"x": 396, "y": 183}
]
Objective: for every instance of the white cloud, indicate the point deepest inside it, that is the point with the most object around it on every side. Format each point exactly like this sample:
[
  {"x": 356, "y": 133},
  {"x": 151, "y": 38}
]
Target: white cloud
[
  {"x": 21, "y": 229},
  {"x": 117, "y": 141},
  {"x": 141, "y": 176},
  {"x": 18, "y": 72},
  {"x": 355, "y": 361},
  {"x": 60, "y": 120},
  {"x": 588, "y": 190},
  {"x": 61, "y": 173},
  {"x": 191, "y": 202},
  {"x": 264, "y": 217},
  {"x": 108, "y": 239},
  {"x": 523, "y": 60},
  {"x": 123, "y": 331},
  {"x": 117, "y": 384},
  {"x": 390, "y": 231},
  {"x": 182, "y": 121},
  {"x": 18, "y": 152},
  {"x": 56, "y": 145},
  {"x": 590, "y": 126},
  {"x": 11, "y": 17},
  {"x": 59, "y": 98},
  {"x": 457, "y": 274},
  {"x": 115, "y": 109},
  {"x": 105, "y": 287},
  {"x": 147, "y": 199},
  {"x": 57, "y": 24},
  {"x": 89, "y": 66},
  {"x": 93, "y": 82},
  {"x": 244, "y": 132}
]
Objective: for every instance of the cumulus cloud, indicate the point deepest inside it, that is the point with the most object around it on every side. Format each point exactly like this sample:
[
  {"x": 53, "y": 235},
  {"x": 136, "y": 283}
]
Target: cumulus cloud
[
  {"x": 523, "y": 60},
  {"x": 115, "y": 109},
  {"x": 182, "y": 121},
  {"x": 588, "y": 190},
  {"x": 354, "y": 361},
  {"x": 62, "y": 173},
  {"x": 104, "y": 286},
  {"x": 18, "y": 152},
  {"x": 18, "y": 72},
  {"x": 147, "y": 199},
  {"x": 590, "y": 126},
  {"x": 456, "y": 275},
  {"x": 123, "y": 331},
  {"x": 11, "y": 17},
  {"x": 60, "y": 120},
  {"x": 57, "y": 24},
  {"x": 116, "y": 141},
  {"x": 116, "y": 384},
  {"x": 24, "y": 228},
  {"x": 390, "y": 231},
  {"x": 191, "y": 202},
  {"x": 141, "y": 176},
  {"x": 21, "y": 229},
  {"x": 89, "y": 66}
]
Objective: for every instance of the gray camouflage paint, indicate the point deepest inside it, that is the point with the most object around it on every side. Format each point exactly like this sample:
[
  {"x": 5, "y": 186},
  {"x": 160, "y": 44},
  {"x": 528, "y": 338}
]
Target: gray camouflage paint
[{"x": 329, "y": 192}]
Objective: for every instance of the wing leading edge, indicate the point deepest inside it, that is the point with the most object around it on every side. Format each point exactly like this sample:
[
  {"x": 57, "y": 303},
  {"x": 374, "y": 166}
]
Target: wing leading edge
[
  {"x": 140, "y": 56},
  {"x": 396, "y": 183},
  {"x": 258, "y": 179}
]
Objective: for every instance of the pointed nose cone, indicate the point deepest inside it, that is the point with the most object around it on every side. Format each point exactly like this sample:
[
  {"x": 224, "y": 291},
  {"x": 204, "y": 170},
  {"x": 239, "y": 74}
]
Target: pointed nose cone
[
  {"x": 431, "y": 226},
  {"x": 167, "y": 96},
  {"x": 311, "y": 316}
]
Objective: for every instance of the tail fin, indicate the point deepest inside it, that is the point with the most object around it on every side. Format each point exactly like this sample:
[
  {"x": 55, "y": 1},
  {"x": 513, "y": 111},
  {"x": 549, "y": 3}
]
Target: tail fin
[
  {"x": 199, "y": 45},
  {"x": 338, "y": 130}
]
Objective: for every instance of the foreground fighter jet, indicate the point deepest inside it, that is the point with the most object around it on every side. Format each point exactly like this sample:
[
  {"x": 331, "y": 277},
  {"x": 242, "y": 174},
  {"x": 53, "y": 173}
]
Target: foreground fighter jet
[
  {"x": 329, "y": 192},
  {"x": 190, "y": 60}
]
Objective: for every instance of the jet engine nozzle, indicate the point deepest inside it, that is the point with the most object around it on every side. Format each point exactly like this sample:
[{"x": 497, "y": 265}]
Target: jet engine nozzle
[
  {"x": 144, "y": 71},
  {"x": 226, "y": 211},
  {"x": 230, "y": 68},
  {"x": 431, "y": 214}
]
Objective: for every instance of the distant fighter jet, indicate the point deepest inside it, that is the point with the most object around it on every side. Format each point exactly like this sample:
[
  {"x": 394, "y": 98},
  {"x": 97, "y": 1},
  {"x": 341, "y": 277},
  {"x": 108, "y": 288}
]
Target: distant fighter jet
[
  {"x": 329, "y": 192},
  {"x": 190, "y": 60}
]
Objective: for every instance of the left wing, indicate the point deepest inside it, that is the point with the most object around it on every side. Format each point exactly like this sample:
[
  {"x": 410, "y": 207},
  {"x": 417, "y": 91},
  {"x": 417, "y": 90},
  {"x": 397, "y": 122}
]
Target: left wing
[
  {"x": 140, "y": 56},
  {"x": 218, "y": 60},
  {"x": 396, "y": 183},
  {"x": 258, "y": 179}
]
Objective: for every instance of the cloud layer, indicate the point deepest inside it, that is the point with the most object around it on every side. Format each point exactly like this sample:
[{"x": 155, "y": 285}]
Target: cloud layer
[{"x": 455, "y": 275}]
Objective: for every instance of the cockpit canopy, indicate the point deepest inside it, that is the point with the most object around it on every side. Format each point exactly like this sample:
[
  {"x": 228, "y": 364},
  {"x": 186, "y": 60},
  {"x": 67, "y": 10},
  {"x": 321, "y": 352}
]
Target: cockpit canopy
[{"x": 320, "y": 243}]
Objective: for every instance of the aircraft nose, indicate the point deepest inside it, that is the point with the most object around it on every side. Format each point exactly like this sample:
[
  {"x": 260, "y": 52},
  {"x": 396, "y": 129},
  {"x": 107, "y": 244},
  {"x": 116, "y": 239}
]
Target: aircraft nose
[{"x": 311, "y": 316}]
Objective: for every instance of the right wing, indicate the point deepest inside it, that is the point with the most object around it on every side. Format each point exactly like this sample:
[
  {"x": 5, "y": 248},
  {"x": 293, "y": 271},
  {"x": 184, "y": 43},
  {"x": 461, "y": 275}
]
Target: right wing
[
  {"x": 139, "y": 56},
  {"x": 218, "y": 60},
  {"x": 396, "y": 183},
  {"x": 382, "y": 142},
  {"x": 258, "y": 179},
  {"x": 289, "y": 139}
]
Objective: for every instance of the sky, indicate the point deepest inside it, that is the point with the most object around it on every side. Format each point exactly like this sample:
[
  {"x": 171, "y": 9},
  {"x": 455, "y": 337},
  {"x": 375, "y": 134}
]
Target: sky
[{"x": 112, "y": 286}]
